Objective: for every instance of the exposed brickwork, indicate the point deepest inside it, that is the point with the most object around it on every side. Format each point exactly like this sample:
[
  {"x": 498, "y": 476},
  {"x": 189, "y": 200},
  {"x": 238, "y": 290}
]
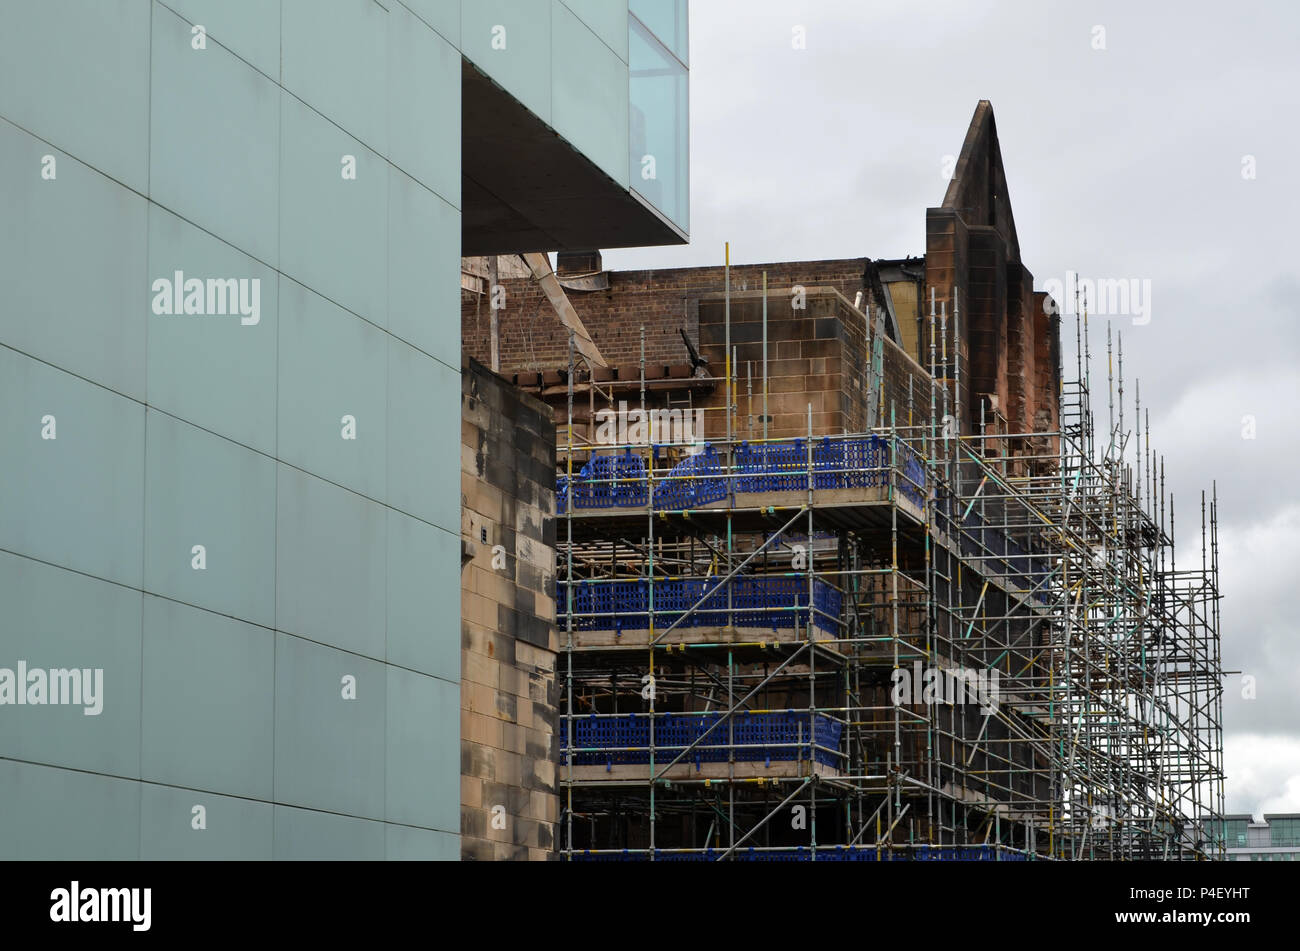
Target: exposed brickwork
[
  {"x": 947, "y": 273},
  {"x": 1020, "y": 346},
  {"x": 986, "y": 323},
  {"x": 665, "y": 301},
  {"x": 1044, "y": 407},
  {"x": 818, "y": 353},
  {"x": 508, "y": 636},
  {"x": 1002, "y": 352},
  {"x": 1008, "y": 351},
  {"x": 816, "y": 358}
]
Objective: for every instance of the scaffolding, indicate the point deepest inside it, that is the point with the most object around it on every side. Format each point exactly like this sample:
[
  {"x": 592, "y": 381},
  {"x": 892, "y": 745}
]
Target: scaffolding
[{"x": 914, "y": 642}]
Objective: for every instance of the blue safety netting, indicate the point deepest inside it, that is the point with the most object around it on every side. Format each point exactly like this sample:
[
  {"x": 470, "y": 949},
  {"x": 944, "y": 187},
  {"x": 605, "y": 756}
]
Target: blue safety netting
[
  {"x": 829, "y": 853},
  {"x": 695, "y": 481},
  {"x": 766, "y": 737},
  {"x": 605, "y": 482},
  {"x": 762, "y": 601}
]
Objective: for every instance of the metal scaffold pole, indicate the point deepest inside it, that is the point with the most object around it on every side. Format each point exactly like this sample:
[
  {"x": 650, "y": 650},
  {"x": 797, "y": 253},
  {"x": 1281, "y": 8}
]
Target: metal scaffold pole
[{"x": 981, "y": 646}]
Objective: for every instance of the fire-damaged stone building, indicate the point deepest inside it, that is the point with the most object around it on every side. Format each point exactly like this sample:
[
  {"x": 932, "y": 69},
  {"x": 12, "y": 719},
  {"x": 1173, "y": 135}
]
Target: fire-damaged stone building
[
  {"x": 827, "y": 347},
  {"x": 995, "y": 342}
]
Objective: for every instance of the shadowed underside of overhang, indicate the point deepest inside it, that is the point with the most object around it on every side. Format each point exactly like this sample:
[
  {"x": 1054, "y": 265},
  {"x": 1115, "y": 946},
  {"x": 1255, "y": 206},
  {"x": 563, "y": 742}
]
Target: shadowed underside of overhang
[{"x": 524, "y": 188}]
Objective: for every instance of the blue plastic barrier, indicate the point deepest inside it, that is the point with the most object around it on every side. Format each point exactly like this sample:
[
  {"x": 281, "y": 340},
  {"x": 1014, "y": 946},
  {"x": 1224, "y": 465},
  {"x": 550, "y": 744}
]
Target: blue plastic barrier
[
  {"x": 758, "y": 737},
  {"x": 776, "y": 603},
  {"x": 608, "y": 481},
  {"x": 836, "y": 464},
  {"x": 772, "y": 467},
  {"x": 912, "y": 484},
  {"x": 825, "y": 853},
  {"x": 695, "y": 481}
]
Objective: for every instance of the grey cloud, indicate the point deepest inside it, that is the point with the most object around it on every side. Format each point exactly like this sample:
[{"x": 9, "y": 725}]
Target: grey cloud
[{"x": 1122, "y": 163}]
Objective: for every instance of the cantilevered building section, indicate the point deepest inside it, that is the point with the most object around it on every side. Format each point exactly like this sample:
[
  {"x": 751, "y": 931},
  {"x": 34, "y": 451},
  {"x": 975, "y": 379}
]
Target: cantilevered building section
[
  {"x": 250, "y": 518},
  {"x": 852, "y": 565}
]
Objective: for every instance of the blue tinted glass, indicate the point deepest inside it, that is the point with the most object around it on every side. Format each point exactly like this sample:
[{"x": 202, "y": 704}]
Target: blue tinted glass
[
  {"x": 658, "y": 126},
  {"x": 666, "y": 19}
]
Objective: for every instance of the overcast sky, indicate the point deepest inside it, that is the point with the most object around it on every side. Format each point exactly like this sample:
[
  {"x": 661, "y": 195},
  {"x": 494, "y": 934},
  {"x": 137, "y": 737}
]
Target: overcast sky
[{"x": 1123, "y": 162}]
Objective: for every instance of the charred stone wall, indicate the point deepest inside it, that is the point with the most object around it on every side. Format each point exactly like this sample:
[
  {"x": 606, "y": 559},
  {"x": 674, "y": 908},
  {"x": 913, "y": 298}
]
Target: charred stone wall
[{"x": 509, "y": 805}]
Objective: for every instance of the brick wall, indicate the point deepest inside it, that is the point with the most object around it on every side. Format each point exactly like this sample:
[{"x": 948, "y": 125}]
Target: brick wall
[
  {"x": 1044, "y": 407},
  {"x": 1008, "y": 350},
  {"x": 532, "y": 337},
  {"x": 1002, "y": 351},
  {"x": 508, "y": 635},
  {"x": 817, "y": 353},
  {"x": 947, "y": 271},
  {"x": 986, "y": 322},
  {"x": 814, "y": 358}
]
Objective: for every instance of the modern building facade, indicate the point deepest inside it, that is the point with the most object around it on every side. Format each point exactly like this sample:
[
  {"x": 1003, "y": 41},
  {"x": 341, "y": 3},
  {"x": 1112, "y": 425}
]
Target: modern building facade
[
  {"x": 230, "y": 381},
  {"x": 1276, "y": 838}
]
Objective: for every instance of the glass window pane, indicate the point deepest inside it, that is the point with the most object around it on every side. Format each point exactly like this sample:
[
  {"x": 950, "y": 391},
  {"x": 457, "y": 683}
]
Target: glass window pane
[
  {"x": 666, "y": 19},
  {"x": 658, "y": 126}
]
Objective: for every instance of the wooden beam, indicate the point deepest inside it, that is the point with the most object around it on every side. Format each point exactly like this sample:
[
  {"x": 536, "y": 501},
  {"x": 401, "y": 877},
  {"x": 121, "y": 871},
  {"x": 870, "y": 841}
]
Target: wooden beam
[{"x": 540, "y": 265}]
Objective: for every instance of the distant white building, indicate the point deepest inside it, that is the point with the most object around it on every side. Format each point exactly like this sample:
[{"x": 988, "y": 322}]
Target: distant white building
[{"x": 1275, "y": 839}]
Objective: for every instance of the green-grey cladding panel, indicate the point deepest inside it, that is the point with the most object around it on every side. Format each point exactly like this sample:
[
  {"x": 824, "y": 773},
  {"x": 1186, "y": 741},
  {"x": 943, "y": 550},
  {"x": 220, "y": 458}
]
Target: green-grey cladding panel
[
  {"x": 423, "y": 446},
  {"x": 567, "y": 62},
  {"x": 58, "y": 619},
  {"x": 658, "y": 125},
  {"x": 608, "y": 20},
  {"x": 76, "y": 74},
  {"x": 214, "y": 149},
  {"x": 306, "y": 834},
  {"x": 295, "y": 692},
  {"x": 248, "y": 28},
  {"x": 182, "y": 824},
  {"x": 423, "y": 269},
  {"x": 207, "y": 720},
  {"x": 667, "y": 20},
  {"x": 64, "y": 815},
  {"x": 209, "y": 521},
  {"x": 330, "y": 707},
  {"x": 333, "y": 229},
  {"x": 409, "y": 844},
  {"x": 423, "y": 103},
  {"x": 423, "y": 597},
  {"x": 589, "y": 93},
  {"x": 218, "y": 372},
  {"x": 442, "y": 15},
  {"x": 75, "y": 499},
  {"x": 330, "y": 571},
  {"x": 510, "y": 41},
  {"x": 333, "y": 400},
  {"x": 334, "y": 58},
  {"x": 422, "y": 774},
  {"x": 92, "y": 325}
]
